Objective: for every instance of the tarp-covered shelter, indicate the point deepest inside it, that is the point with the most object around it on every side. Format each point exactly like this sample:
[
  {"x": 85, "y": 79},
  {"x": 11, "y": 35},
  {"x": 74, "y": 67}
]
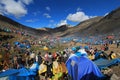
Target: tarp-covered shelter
[
  {"x": 20, "y": 74},
  {"x": 81, "y": 68},
  {"x": 103, "y": 63}
]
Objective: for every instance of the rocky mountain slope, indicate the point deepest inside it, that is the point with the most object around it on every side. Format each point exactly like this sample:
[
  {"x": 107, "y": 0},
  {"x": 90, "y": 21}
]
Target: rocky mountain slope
[
  {"x": 9, "y": 23},
  {"x": 95, "y": 26},
  {"x": 107, "y": 25}
]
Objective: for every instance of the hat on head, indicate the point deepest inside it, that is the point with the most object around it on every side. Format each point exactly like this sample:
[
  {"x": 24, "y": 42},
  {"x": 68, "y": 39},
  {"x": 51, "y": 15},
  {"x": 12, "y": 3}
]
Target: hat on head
[
  {"x": 82, "y": 52},
  {"x": 74, "y": 49},
  {"x": 86, "y": 47}
]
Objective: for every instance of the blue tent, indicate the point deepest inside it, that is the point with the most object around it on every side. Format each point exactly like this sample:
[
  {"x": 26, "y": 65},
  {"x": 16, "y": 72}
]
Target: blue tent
[
  {"x": 70, "y": 64},
  {"x": 9, "y": 72},
  {"x": 103, "y": 63},
  {"x": 22, "y": 45},
  {"x": 34, "y": 68},
  {"x": 81, "y": 68},
  {"x": 23, "y": 74},
  {"x": 16, "y": 43},
  {"x": 20, "y": 74},
  {"x": 28, "y": 46}
]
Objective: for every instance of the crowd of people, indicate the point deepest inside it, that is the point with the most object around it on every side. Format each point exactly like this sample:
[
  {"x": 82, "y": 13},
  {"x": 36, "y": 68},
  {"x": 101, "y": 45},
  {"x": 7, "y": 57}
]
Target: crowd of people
[{"x": 47, "y": 65}]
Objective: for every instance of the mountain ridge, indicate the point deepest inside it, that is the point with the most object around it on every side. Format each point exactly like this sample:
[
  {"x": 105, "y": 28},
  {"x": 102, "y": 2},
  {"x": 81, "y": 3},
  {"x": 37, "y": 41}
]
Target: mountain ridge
[{"x": 95, "y": 26}]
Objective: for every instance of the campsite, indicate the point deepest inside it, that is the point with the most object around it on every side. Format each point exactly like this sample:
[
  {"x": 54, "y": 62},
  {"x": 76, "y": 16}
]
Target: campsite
[
  {"x": 25, "y": 49},
  {"x": 83, "y": 46}
]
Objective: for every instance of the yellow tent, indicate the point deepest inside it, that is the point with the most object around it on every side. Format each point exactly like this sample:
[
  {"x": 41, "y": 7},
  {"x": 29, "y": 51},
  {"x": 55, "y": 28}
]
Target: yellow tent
[{"x": 45, "y": 48}]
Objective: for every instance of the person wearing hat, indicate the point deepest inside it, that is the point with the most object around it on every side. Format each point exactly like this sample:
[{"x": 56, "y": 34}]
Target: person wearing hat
[
  {"x": 79, "y": 52},
  {"x": 82, "y": 52},
  {"x": 72, "y": 52}
]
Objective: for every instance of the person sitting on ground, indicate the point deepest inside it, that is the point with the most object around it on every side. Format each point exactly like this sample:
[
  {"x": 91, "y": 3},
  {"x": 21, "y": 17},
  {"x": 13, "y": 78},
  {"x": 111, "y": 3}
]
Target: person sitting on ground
[
  {"x": 103, "y": 55},
  {"x": 112, "y": 55},
  {"x": 118, "y": 43},
  {"x": 106, "y": 47}
]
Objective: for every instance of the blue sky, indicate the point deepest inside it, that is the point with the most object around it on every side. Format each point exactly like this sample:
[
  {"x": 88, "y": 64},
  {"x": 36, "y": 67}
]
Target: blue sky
[{"x": 53, "y": 13}]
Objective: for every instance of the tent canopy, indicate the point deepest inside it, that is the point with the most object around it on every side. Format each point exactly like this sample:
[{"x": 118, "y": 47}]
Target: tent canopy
[
  {"x": 103, "y": 63},
  {"x": 82, "y": 67}
]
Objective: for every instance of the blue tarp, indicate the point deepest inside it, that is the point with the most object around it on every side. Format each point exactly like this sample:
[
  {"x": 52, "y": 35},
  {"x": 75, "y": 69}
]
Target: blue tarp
[
  {"x": 97, "y": 54},
  {"x": 103, "y": 63},
  {"x": 22, "y": 45},
  {"x": 16, "y": 43},
  {"x": 23, "y": 72},
  {"x": 9, "y": 72},
  {"x": 20, "y": 74},
  {"x": 81, "y": 68},
  {"x": 34, "y": 68},
  {"x": 28, "y": 46}
]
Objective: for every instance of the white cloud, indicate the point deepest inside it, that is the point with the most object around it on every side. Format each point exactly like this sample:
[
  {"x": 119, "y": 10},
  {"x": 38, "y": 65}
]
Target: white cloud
[
  {"x": 79, "y": 9},
  {"x": 1, "y": 13},
  {"x": 36, "y": 13},
  {"x": 49, "y": 25},
  {"x": 106, "y": 14},
  {"x": 92, "y": 16},
  {"x": 31, "y": 20},
  {"x": 47, "y": 8},
  {"x": 1, "y": 9},
  {"x": 77, "y": 17},
  {"x": 13, "y": 7},
  {"x": 27, "y": 2},
  {"x": 67, "y": 9},
  {"x": 46, "y": 15},
  {"x": 62, "y": 22},
  {"x": 51, "y": 21}
]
